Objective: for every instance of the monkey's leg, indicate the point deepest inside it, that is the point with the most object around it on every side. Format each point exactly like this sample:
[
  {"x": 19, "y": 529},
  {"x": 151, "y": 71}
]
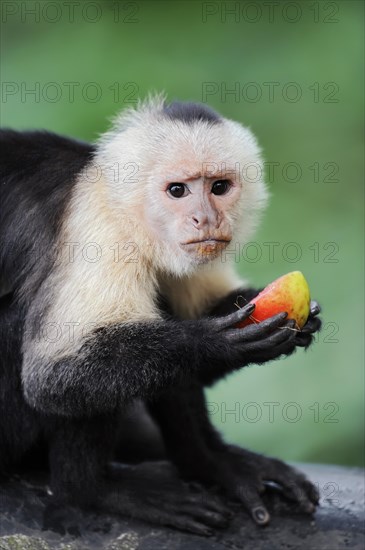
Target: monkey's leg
[
  {"x": 19, "y": 424},
  {"x": 138, "y": 438},
  {"x": 81, "y": 476},
  {"x": 199, "y": 453}
]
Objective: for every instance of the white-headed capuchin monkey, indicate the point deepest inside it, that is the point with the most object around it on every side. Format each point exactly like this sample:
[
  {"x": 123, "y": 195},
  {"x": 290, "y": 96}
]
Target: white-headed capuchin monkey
[{"x": 121, "y": 290}]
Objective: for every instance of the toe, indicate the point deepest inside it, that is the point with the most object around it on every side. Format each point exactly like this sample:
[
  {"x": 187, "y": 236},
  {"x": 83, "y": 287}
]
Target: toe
[{"x": 260, "y": 515}]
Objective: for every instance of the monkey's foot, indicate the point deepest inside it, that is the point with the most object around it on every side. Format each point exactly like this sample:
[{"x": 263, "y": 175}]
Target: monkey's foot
[
  {"x": 163, "y": 500},
  {"x": 245, "y": 476}
]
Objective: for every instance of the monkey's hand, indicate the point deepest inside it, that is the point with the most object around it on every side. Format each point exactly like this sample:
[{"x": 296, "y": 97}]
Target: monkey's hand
[
  {"x": 223, "y": 348},
  {"x": 255, "y": 343},
  {"x": 305, "y": 337}
]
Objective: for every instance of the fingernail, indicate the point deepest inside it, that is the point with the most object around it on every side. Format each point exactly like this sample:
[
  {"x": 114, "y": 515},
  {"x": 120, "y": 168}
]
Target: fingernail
[{"x": 260, "y": 515}]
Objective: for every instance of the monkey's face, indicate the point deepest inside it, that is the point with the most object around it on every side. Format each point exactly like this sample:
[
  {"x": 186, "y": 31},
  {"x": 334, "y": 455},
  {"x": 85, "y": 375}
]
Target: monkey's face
[
  {"x": 199, "y": 186},
  {"x": 194, "y": 218},
  {"x": 192, "y": 207},
  {"x": 199, "y": 199}
]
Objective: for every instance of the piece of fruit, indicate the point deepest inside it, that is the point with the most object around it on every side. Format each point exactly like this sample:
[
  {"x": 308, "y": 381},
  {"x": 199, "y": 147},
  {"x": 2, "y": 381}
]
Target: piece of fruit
[{"x": 288, "y": 293}]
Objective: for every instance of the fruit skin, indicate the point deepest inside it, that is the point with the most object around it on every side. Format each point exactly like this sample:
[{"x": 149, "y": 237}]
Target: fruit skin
[{"x": 288, "y": 293}]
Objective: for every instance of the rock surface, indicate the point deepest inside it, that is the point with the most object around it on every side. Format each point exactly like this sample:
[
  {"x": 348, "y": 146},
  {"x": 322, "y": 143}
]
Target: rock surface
[{"x": 338, "y": 524}]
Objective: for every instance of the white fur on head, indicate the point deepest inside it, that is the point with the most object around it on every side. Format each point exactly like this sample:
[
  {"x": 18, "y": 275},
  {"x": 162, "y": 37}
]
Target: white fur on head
[{"x": 145, "y": 145}]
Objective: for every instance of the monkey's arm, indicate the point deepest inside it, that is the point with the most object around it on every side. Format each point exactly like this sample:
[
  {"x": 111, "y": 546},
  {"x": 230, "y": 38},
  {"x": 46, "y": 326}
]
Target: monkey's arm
[{"x": 119, "y": 363}]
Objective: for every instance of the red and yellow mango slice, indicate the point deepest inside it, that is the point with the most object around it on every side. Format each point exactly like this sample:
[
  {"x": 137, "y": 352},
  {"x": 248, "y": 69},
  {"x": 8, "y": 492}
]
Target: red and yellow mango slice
[{"x": 288, "y": 293}]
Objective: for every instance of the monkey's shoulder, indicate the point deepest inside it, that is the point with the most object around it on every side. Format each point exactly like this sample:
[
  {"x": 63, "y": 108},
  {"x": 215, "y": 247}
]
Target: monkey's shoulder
[
  {"x": 38, "y": 170},
  {"x": 49, "y": 157}
]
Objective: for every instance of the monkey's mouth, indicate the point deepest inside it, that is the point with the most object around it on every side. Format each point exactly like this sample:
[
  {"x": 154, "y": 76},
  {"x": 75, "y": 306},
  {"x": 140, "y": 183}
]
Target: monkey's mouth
[
  {"x": 207, "y": 246},
  {"x": 208, "y": 241}
]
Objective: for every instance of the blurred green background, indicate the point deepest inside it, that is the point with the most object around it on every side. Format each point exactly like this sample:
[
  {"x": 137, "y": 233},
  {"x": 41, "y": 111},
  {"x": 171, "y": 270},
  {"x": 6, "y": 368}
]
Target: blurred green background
[{"x": 296, "y": 72}]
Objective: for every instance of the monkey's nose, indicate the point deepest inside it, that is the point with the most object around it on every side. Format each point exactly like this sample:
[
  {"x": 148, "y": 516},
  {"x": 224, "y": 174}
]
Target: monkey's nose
[{"x": 199, "y": 220}]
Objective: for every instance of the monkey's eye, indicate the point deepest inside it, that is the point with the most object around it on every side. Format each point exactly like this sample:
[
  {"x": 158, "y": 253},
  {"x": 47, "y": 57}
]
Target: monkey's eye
[
  {"x": 220, "y": 187},
  {"x": 177, "y": 190}
]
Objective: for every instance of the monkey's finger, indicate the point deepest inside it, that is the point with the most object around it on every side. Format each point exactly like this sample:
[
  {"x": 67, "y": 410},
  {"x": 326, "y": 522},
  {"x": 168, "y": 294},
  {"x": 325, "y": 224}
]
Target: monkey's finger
[
  {"x": 185, "y": 523},
  {"x": 247, "y": 490},
  {"x": 297, "y": 492},
  {"x": 312, "y": 325},
  {"x": 256, "y": 331},
  {"x": 251, "y": 500},
  {"x": 271, "y": 347},
  {"x": 285, "y": 348},
  {"x": 170, "y": 514},
  {"x": 209, "y": 500},
  {"x": 315, "y": 308},
  {"x": 293, "y": 484},
  {"x": 303, "y": 340},
  {"x": 233, "y": 318},
  {"x": 218, "y": 507},
  {"x": 307, "y": 492},
  {"x": 284, "y": 333},
  {"x": 303, "y": 492},
  {"x": 312, "y": 491},
  {"x": 208, "y": 517}
]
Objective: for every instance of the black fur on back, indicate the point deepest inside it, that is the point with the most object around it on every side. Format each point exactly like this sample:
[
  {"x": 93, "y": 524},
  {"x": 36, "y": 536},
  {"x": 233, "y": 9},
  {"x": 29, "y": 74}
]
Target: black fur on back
[
  {"x": 37, "y": 172},
  {"x": 190, "y": 112}
]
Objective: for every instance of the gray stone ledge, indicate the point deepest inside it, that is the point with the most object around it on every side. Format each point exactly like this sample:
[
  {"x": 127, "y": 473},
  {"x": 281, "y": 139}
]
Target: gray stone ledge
[{"x": 338, "y": 524}]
